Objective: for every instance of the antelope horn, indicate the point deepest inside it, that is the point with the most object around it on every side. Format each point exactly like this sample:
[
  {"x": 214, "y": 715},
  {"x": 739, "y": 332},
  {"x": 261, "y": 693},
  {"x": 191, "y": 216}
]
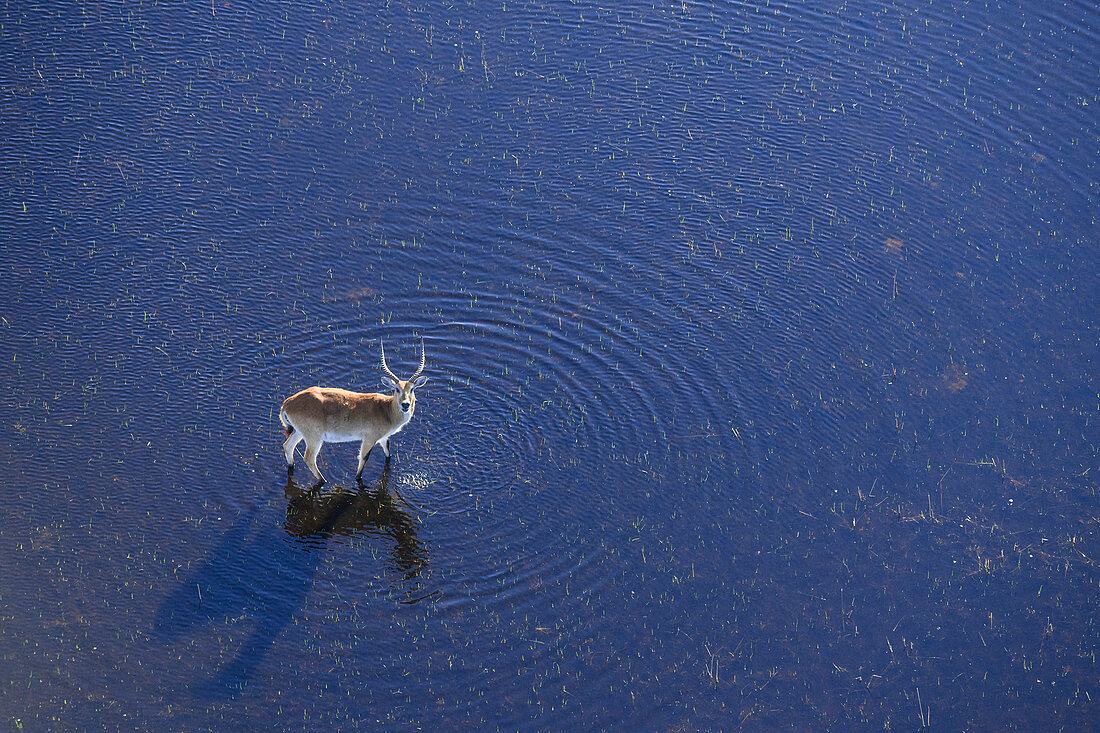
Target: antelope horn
[
  {"x": 422, "y": 361},
  {"x": 386, "y": 368}
]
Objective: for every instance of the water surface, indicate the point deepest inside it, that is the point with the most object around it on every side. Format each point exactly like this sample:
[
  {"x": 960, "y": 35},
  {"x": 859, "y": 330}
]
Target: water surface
[{"x": 761, "y": 338}]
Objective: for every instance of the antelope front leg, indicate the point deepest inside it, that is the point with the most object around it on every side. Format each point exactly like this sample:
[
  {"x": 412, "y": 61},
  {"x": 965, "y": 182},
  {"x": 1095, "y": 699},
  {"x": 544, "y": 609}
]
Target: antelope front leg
[
  {"x": 386, "y": 448},
  {"x": 364, "y": 454}
]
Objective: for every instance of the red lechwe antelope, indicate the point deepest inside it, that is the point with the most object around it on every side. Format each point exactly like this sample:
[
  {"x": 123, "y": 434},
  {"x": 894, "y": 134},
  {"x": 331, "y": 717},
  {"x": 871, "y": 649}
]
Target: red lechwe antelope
[{"x": 320, "y": 415}]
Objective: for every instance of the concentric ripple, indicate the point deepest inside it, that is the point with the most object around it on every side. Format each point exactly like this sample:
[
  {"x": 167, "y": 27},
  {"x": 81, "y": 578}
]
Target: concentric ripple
[
  {"x": 536, "y": 404},
  {"x": 520, "y": 370}
]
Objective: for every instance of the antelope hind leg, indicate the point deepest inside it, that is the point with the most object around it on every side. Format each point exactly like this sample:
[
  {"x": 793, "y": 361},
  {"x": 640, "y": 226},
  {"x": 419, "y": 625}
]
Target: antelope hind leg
[
  {"x": 291, "y": 443},
  {"x": 312, "y": 449}
]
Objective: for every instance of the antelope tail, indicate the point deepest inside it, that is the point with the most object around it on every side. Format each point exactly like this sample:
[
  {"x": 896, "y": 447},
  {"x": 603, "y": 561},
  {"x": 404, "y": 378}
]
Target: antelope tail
[{"x": 288, "y": 429}]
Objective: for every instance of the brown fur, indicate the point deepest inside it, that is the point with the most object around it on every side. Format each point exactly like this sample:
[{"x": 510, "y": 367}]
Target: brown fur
[{"x": 340, "y": 405}]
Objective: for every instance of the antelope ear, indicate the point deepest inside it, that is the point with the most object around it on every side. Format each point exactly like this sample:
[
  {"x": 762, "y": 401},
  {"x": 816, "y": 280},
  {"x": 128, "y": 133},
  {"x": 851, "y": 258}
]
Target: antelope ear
[
  {"x": 420, "y": 382},
  {"x": 390, "y": 383}
]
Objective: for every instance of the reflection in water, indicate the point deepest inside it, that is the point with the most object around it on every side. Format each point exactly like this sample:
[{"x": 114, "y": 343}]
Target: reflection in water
[
  {"x": 260, "y": 576},
  {"x": 311, "y": 514}
]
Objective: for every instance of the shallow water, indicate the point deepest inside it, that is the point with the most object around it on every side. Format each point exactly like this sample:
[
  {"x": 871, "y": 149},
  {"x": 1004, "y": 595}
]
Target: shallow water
[{"x": 761, "y": 338}]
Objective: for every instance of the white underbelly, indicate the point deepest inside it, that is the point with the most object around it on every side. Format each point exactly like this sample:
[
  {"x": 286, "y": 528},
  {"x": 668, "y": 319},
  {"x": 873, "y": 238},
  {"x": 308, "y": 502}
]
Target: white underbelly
[
  {"x": 338, "y": 437},
  {"x": 341, "y": 438}
]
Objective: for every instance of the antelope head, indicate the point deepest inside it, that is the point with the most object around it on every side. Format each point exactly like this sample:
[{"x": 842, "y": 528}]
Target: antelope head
[{"x": 403, "y": 389}]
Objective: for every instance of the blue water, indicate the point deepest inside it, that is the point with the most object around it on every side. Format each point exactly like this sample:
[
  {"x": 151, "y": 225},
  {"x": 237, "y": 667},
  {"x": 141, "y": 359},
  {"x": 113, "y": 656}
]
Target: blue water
[{"x": 762, "y": 342}]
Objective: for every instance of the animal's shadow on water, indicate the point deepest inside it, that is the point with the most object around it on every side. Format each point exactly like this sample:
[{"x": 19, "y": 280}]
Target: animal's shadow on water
[{"x": 260, "y": 574}]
